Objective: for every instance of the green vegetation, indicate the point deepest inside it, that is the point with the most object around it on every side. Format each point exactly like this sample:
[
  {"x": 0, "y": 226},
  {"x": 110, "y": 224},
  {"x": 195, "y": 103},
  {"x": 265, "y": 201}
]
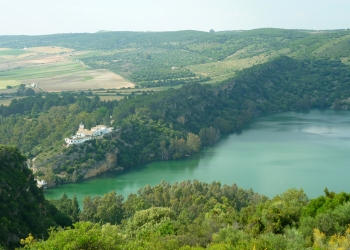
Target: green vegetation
[
  {"x": 186, "y": 215},
  {"x": 258, "y": 71},
  {"x": 172, "y": 58},
  {"x": 197, "y": 215},
  {"x": 165, "y": 125},
  {"x": 23, "y": 208}
]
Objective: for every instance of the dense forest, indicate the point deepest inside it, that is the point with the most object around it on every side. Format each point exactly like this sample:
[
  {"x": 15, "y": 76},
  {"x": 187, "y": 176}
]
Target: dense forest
[{"x": 186, "y": 215}]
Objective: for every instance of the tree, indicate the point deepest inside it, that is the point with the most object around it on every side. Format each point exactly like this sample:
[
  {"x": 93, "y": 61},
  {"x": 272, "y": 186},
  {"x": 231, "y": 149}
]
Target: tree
[
  {"x": 110, "y": 208},
  {"x": 284, "y": 210},
  {"x": 21, "y": 89},
  {"x": 209, "y": 136},
  {"x": 89, "y": 209},
  {"x": 75, "y": 209},
  {"x": 68, "y": 206},
  {"x": 193, "y": 143},
  {"x": 133, "y": 204},
  {"x": 337, "y": 105},
  {"x": 163, "y": 151},
  {"x": 150, "y": 219},
  {"x": 84, "y": 235},
  {"x": 35, "y": 110},
  {"x": 29, "y": 92}
]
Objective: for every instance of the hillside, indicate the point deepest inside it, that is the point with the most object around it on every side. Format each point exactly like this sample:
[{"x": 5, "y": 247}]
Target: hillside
[
  {"x": 23, "y": 208},
  {"x": 169, "y": 124}
]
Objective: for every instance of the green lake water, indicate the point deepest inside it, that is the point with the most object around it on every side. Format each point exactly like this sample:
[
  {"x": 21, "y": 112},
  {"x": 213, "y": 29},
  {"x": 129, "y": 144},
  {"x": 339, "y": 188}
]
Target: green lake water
[{"x": 276, "y": 152}]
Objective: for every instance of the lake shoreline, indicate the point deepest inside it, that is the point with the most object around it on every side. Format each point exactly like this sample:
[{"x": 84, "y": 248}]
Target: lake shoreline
[{"x": 261, "y": 158}]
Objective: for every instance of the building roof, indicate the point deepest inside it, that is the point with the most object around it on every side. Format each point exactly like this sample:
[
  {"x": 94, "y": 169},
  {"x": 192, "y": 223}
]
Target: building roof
[{"x": 85, "y": 131}]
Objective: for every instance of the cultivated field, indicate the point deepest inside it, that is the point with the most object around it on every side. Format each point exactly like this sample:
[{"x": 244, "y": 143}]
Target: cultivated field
[
  {"x": 80, "y": 80},
  {"x": 54, "y": 69}
]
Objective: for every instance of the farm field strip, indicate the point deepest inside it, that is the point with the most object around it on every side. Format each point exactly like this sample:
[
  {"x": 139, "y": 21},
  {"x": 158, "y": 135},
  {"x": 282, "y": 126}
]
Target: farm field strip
[
  {"x": 41, "y": 71},
  {"x": 81, "y": 80}
]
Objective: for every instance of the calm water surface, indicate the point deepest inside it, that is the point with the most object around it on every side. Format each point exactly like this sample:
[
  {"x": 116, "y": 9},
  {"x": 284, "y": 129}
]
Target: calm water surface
[{"x": 277, "y": 152}]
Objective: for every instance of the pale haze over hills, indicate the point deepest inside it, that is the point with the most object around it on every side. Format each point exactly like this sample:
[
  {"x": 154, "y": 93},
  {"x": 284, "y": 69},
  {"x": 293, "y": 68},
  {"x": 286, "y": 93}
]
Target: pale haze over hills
[{"x": 75, "y": 16}]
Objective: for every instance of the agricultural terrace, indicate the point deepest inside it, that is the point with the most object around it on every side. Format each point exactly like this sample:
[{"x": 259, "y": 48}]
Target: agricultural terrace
[{"x": 54, "y": 69}]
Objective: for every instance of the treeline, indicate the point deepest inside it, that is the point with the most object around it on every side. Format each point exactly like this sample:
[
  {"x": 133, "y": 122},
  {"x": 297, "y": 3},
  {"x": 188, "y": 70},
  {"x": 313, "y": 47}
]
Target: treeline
[
  {"x": 216, "y": 45},
  {"x": 197, "y": 215},
  {"x": 43, "y": 102}
]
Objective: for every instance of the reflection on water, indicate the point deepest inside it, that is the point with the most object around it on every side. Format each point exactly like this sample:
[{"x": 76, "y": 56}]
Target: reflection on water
[{"x": 277, "y": 152}]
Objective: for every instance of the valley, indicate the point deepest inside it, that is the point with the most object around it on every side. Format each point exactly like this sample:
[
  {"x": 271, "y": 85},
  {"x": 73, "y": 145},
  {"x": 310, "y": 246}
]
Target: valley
[{"x": 215, "y": 115}]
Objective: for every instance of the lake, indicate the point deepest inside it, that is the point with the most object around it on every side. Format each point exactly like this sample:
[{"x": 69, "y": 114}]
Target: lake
[{"x": 276, "y": 152}]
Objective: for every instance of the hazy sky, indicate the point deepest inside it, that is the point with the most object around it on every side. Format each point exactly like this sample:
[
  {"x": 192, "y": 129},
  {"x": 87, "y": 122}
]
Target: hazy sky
[{"x": 31, "y": 17}]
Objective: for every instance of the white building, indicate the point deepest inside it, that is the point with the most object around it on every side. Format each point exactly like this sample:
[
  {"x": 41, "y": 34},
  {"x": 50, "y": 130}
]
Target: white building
[
  {"x": 41, "y": 184},
  {"x": 83, "y": 135}
]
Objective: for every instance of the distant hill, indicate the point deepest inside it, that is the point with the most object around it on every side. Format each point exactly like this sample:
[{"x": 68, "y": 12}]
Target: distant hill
[{"x": 172, "y": 58}]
